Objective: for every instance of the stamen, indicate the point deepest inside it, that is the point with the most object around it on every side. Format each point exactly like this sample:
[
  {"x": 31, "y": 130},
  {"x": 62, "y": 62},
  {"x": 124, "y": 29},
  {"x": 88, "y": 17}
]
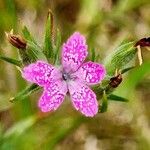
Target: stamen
[{"x": 65, "y": 76}]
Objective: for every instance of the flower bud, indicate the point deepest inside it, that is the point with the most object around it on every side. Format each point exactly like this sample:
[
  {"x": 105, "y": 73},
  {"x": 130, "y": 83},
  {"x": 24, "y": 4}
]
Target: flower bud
[
  {"x": 16, "y": 40},
  {"x": 143, "y": 42},
  {"x": 115, "y": 81}
]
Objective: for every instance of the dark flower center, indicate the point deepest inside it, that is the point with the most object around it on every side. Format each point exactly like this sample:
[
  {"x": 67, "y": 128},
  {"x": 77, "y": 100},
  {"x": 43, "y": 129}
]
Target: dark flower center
[{"x": 65, "y": 76}]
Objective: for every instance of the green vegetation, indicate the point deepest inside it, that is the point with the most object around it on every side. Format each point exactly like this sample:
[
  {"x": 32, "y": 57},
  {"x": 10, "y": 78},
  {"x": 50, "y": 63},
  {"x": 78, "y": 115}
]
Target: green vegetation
[{"x": 112, "y": 29}]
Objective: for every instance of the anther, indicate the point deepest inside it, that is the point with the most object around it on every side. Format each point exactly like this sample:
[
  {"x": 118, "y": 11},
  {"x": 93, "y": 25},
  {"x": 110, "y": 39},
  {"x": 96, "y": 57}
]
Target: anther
[{"x": 65, "y": 76}]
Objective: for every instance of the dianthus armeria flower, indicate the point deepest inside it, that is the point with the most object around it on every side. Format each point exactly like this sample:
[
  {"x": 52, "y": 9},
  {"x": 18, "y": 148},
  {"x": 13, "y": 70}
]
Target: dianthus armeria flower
[{"x": 73, "y": 77}]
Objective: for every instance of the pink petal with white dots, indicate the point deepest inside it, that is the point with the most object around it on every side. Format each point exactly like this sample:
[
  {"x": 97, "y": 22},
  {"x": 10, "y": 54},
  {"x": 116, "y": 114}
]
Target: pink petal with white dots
[
  {"x": 74, "y": 52},
  {"x": 91, "y": 72},
  {"x": 40, "y": 73},
  {"x": 83, "y": 98},
  {"x": 52, "y": 96}
]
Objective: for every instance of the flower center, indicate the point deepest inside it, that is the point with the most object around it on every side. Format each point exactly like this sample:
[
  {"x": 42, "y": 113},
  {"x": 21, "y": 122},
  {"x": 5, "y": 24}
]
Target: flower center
[{"x": 65, "y": 76}]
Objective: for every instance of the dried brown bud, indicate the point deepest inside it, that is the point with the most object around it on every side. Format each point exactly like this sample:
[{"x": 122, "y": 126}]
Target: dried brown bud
[
  {"x": 16, "y": 40},
  {"x": 143, "y": 42},
  {"x": 115, "y": 81}
]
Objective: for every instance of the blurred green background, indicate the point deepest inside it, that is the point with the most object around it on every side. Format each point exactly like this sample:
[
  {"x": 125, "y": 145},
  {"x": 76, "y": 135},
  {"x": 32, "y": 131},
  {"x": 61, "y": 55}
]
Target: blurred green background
[{"x": 105, "y": 23}]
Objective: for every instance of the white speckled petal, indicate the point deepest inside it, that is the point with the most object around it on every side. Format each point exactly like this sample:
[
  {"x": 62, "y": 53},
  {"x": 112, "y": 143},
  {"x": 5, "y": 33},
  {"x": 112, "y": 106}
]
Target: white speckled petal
[
  {"x": 74, "y": 52},
  {"x": 53, "y": 96},
  {"x": 83, "y": 98},
  {"x": 40, "y": 73},
  {"x": 91, "y": 72}
]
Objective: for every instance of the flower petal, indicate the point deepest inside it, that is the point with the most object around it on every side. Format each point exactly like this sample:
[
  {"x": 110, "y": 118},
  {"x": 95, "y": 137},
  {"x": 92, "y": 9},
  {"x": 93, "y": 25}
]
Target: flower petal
[
  {"x": 83, "y": 98},
  {"x": 40, "y": 73},
  {"x": 91, "y": 72},
  {"x": 52, "y": 96},
  {"x": 74, "y": 52}
]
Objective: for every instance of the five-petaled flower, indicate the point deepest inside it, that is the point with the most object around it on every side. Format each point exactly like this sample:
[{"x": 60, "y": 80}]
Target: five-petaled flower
[{"x": 73, "y": 76}]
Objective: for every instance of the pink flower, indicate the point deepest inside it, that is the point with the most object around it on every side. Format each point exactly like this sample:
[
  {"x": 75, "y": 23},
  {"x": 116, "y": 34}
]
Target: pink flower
[{"x": 73, "y": 76}]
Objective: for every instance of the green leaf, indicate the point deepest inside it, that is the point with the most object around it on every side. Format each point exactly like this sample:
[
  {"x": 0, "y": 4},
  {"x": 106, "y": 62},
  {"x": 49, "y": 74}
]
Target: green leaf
[
  {"x": 25, "y": 59},
  {"x": 117, "y": 98},
  {"x": 120, "y": 57},
  {"x": 104, "y": 103},
  {"x": 25, "y": 92},
  {"x": 34, "y": 51},
  {"x": 48, "y": 48},
  {"x": 27, "y": 35},
  {"x": 97, "y": 58},
  {"x": 57, "y": 47},
  {"x": 127, "y": 69},
  {"x": 11, "y": 60},
  {"x": 93, "y": 55}
]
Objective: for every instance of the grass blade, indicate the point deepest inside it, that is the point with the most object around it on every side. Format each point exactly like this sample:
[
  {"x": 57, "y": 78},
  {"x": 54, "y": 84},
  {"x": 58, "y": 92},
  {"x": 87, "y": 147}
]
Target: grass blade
[
  {"x": 117, "y": 98},
  {"x": 57, "y": 48},
  {"x": 48, "y": 48},
  {"x": 24, "y": 93},
  {"x": 27, "y": 35},
  {"x": 104, "y": 103},
  {"x": 11, "y": 61}
]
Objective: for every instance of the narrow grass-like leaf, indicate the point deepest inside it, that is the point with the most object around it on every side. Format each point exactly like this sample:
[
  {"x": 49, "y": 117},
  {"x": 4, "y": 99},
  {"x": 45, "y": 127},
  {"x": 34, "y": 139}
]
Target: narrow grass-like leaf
[
  {"x": 27, "y": 35},
  {"x": 57, "y": 47},
  {"x": 25, "y": 59},
  {"x": 93, "y": 55},
  {"x": 117, "y": 98},
  {"x": 97, "y": 58},
  {"x": 11, "y": 61},
  {"x": 34, "y": 51},
  {"x": 120, "y": 57},
  {"x": 104, "y": 105},
  {"x": 127, "y": 69},
  {"x": 24, "y": 93},
  {"x": 48, "y": 48}
]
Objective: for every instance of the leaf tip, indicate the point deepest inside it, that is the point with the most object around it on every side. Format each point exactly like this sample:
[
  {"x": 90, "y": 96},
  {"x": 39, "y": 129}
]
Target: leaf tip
[{"x": 11, "y": 99}]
